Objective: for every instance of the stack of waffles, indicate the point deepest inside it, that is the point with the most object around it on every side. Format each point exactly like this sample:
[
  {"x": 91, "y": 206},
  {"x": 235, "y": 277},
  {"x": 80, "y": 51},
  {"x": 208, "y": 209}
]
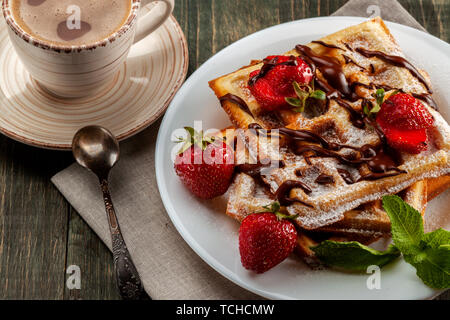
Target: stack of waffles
[{"x": 329, "y": 168}]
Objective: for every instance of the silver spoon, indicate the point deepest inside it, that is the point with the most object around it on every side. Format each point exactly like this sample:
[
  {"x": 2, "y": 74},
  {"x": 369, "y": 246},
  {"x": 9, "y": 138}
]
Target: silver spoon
[{"x": 96, "y": 149}]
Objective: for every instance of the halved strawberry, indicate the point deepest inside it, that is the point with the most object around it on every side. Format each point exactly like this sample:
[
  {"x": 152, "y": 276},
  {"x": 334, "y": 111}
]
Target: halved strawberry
[
  {"x": 404, "y": 121},
  {"x": 405, "y": 112},
  {"x": 410, "y": 141},
  {"x": 272, "y": 87}
]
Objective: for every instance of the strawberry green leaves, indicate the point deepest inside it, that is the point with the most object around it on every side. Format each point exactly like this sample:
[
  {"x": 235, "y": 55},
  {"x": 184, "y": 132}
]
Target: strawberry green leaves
[
  {"x": 194, "y": 138},
  {"x": 304, "y": 92},
  {"x": 275, "y": 209},
  {"x": 353, "y": 255},
  {"x": 429, "y": 253}
]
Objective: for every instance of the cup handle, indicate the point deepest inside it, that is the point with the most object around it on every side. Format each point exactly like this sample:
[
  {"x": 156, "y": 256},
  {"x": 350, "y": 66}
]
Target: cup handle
[{"x": 153, "y": 19}]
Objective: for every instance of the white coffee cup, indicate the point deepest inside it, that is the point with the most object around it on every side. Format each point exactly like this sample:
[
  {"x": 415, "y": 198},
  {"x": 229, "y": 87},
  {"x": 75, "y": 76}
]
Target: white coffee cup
[{"x": 81, "y": 70}]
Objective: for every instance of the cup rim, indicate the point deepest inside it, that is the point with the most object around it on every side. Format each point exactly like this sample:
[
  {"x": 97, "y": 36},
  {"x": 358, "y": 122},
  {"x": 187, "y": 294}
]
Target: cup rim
[{"x": 47, "y": 45}]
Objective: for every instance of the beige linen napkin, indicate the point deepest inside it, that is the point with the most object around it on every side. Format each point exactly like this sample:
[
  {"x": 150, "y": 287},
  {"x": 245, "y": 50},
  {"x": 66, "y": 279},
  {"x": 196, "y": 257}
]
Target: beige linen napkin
[{"x": 167, "y": 265}]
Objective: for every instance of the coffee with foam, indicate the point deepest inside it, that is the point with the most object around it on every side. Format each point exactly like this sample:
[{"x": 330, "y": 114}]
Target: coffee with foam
[{"x": 71, "y": 22}]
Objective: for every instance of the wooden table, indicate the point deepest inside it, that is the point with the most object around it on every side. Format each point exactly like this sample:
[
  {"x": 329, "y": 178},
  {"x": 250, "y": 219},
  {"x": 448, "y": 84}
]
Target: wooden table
[{"x": 41, "y": 235}]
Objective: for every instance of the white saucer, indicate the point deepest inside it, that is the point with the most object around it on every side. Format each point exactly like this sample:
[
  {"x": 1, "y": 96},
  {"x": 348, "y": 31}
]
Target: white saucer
[
  {"x": 136, "y": 97},
  {"x": 214, "y": 236}
]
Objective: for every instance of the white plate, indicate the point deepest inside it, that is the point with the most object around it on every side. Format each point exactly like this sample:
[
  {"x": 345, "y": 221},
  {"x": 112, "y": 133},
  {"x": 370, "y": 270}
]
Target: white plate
[{"x": 214, "y": 236}]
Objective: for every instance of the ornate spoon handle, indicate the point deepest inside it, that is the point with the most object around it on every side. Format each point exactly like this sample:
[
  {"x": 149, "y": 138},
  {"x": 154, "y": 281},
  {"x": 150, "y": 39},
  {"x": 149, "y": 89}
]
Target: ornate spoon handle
[{"x": 128, "y": 280}]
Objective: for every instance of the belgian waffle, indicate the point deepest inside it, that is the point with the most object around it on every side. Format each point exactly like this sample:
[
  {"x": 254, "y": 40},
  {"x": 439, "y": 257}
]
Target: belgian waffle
[
  {"x": 246, "y": 196},
  {"x": 361, "y": 53},
  {"x": 365, "y": 224}
]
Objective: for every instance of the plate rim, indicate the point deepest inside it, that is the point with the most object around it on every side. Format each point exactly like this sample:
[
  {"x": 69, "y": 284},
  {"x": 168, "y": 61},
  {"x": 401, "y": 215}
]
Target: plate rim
[
  {"x": 171, "y": 212},
  {"x": 131, "y": 132}
]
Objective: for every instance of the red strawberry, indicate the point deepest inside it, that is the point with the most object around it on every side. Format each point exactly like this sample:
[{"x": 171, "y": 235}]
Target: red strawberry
[
  {"x": 410, "y": 141},
  {"x": 205, "y": 167},
  {"x": 266, "y": 239},
  {"x": 403, "y": 111},
  {"x": 272, "y": 87},
  {"x": 404, "y": 121}
]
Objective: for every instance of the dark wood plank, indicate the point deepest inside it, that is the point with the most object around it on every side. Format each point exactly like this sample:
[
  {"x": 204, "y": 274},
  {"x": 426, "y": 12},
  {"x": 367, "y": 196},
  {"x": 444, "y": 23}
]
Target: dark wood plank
[
  {"x": 87, "y": 251},
  {"x": 33, "y": 223},
  {"x": 434, "y": 15}
]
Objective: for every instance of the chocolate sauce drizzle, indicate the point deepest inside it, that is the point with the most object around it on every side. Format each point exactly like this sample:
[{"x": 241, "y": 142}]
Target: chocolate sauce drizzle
[
  {"x": 237, "y": 100},
  {"x": 427, "y": 98},
  {"x": 309, "y": 136},
  {"x": 283, "y": 191},
  {"x": 356, "y": 117},
  {"x": 350, "y": 60},
  {"x": 331, "y": 70},
  {"x": 269, "y": 65},
  {"x": 396, "y": 61},
  {"x": 346, "y": 176},
  {"x": 331, "y": 46},
  {"x": 254, "y": 170},
  {"x": 379, "y": 159},
  {"x": 324, "y": 179}
]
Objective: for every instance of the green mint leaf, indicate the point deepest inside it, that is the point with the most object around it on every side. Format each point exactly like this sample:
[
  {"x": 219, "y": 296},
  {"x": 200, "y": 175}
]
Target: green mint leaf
[
  {"x": 375, "y": 108},
  {"x": 295, "y": 102},
  {"x": 366, "y": 109},
  {"x": 406, "y": 224},
  {"x": 432, "y": 266},
  {"x": 437, "y": 238},
  {"x": 433, "y": 262},
  {"x": 301, "y": 93},
  {"x": 353, "y": 255},
  {"x": 379, "y": 95},
  {"x": 428, "y": 253},
  {"x": 319, "y": 95}
]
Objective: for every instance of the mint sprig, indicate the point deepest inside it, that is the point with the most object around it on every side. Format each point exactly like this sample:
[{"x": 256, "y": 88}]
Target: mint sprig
[
  {"x": 353, "y": 255},
  {"x": 429, "y": 252},
  {"x": 303, "y": 93},
  {"x": 379, "y": 98},
  {"x": 406, "y": 224}
]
